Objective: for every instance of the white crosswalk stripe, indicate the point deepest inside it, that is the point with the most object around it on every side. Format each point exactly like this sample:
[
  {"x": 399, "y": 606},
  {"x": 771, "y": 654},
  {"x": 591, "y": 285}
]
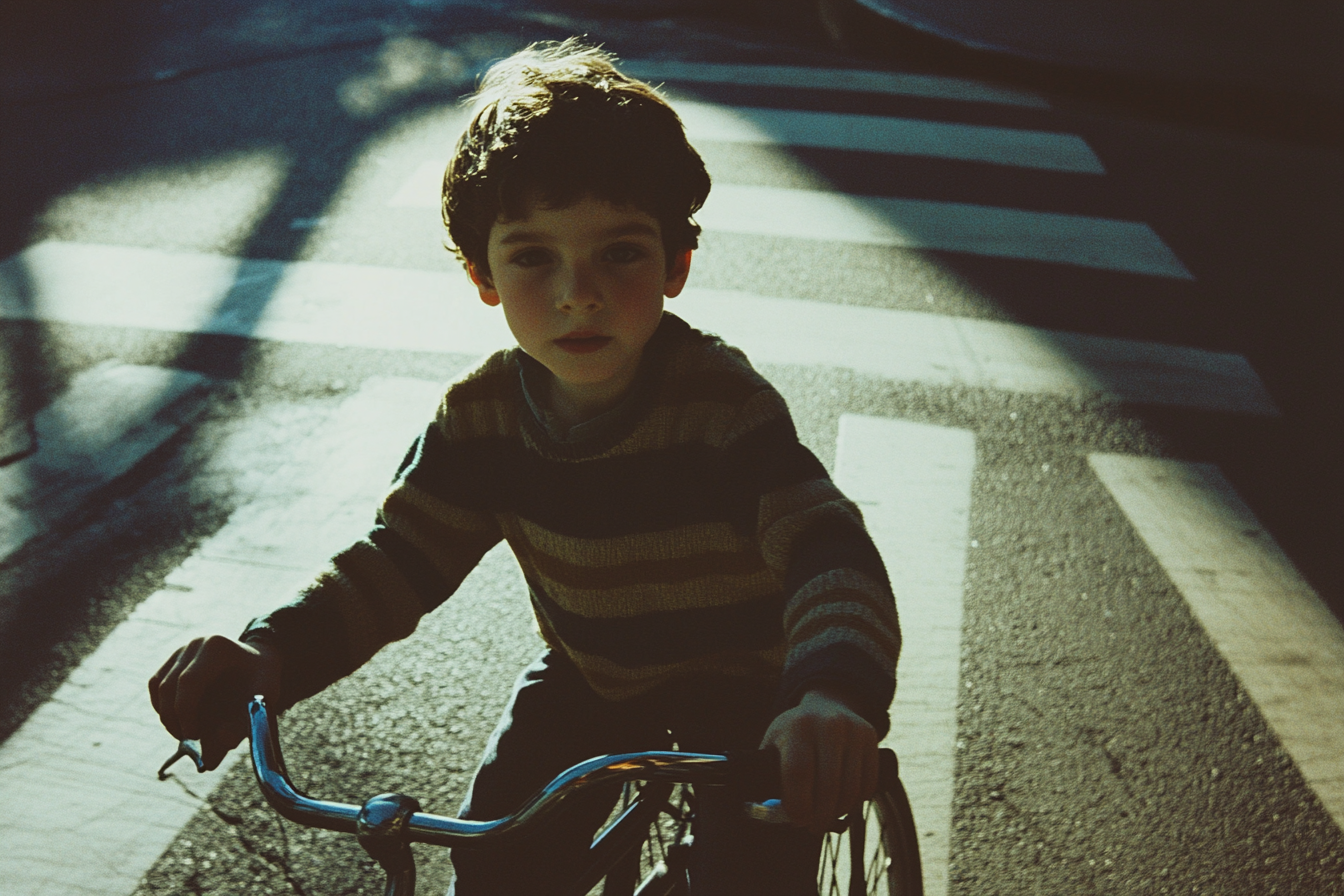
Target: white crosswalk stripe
[
  {"x": 918, "y": 512},
  {"x": 1103, "y": 243},
  {"x": 850, "y": 80},
  {"x": 1281, "y": 641},
  {"x": 898, "y": 136},
  {"x": 952, "y": 226},
  {"x": 325, "y": 303}
]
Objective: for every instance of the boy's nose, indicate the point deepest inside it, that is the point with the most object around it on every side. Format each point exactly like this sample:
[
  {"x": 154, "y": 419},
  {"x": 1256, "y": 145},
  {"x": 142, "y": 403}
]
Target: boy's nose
[{"x": 580, "y": 292}]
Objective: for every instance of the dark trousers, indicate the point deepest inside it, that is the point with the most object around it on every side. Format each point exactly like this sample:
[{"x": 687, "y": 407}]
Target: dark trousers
[{"x": 554, "y": 721}]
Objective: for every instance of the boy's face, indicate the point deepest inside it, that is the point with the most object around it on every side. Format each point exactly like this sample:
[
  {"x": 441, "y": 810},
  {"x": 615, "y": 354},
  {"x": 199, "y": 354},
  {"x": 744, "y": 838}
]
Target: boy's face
[{"x": 582, "y": 289}]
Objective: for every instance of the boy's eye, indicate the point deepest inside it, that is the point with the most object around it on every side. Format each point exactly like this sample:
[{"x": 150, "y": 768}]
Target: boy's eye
[
  {"x": 624, "y": 253},
  {"x": 530, "y": 258}
]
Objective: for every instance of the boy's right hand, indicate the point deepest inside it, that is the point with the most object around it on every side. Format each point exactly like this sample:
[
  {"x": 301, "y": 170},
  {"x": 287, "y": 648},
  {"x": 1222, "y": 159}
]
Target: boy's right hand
[{"x": 201, "y": 693}]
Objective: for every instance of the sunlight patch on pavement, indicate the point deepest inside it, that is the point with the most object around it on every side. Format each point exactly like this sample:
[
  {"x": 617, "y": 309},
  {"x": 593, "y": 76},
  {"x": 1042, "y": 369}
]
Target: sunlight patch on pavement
[
  {"x": 106, "y": 422},
  {"x": 214, "y": 201}
]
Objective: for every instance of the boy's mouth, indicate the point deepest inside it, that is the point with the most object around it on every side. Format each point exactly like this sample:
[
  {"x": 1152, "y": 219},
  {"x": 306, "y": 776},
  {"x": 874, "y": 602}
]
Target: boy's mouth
[{"x": 581, "y": 342}]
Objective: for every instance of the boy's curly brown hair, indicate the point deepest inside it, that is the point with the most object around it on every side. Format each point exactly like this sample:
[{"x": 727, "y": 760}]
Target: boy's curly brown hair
[{"x": 557, "y": 122}]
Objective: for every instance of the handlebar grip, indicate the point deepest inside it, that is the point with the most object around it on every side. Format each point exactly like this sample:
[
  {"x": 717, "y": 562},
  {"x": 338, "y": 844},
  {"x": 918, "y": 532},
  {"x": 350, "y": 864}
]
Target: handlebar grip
[{"x": 753, "y": 775}]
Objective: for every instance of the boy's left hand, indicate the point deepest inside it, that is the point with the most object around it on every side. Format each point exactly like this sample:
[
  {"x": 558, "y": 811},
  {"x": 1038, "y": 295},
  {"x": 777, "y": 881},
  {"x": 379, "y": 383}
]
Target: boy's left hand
[{"x": 827, "y": 759}]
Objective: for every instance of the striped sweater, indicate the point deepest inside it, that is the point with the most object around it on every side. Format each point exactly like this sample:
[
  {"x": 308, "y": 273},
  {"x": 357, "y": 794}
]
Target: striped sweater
[{"x": 686, "y": 532}]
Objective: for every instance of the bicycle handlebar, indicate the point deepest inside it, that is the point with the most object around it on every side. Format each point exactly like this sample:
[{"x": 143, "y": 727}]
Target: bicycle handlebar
[{"x": 749, "y": 771}]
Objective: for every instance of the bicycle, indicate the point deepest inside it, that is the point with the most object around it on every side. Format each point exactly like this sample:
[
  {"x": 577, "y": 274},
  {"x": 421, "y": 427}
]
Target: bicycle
[{"x": 644, "y": 847}]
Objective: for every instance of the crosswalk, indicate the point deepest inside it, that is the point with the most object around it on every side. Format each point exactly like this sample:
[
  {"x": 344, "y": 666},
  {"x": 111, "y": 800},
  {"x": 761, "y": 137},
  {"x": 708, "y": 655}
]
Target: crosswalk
[{"x": 914, "y": 480}]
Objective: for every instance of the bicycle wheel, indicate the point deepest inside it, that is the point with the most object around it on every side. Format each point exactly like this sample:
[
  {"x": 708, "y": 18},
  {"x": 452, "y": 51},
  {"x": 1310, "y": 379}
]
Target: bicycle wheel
[{"x": 890, "y": 863}]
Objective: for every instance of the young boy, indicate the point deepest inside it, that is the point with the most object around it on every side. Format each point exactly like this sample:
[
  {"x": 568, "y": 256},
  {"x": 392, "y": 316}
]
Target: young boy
[{"x": 695, "y": 575}]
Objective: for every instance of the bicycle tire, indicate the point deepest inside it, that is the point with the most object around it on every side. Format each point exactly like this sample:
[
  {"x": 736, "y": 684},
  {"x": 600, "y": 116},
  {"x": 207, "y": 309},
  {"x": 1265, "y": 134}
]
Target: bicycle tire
[{"x": 891, "y": 864}]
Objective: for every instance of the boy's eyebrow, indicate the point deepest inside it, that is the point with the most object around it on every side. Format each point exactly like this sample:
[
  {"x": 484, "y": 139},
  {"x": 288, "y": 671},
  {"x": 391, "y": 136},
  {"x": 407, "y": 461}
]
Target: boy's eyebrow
[
  {"x": 523, "y": 236},
  {"x": 634, "y": 228}
]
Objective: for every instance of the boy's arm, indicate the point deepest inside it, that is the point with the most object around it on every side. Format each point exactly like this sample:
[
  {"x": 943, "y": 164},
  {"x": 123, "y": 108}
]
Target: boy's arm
[
  {"x": 840, "y": 624},
  {"x": 375, "y": 591}
]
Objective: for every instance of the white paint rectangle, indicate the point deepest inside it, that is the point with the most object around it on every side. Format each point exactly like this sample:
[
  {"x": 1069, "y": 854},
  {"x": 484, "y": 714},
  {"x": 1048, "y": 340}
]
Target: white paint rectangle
[
  {"x": 391, "y": 308},
  {"x": 1282, "y": 642},
  {"x": 1014, "y": 147},
  {"x": 997, "y": 232},
  {"x": 1103, "y": 243},
  {"x": 314, "y": 302},
  {"x": 911, "y": 346},
  {"x": 912, "y": 482}
]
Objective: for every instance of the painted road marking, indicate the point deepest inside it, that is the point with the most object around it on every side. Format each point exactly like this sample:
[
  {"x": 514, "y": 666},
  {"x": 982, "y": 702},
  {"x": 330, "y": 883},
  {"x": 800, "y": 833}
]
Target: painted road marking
[
  {"x": 1282, "y": 642},
  {"x": 1105, "y": 243},
  {"x": 89, "y": 754},
  {"x": 328, "y": 304},
  {"x": 913, "y": 483},
  {"x": 313, "y": 302},
  {"x": 896, "y": 136},
  {"x": 853, "y": 80},
  {"x": 109, "y": 419},
  {"x": 910, "y": 346}
]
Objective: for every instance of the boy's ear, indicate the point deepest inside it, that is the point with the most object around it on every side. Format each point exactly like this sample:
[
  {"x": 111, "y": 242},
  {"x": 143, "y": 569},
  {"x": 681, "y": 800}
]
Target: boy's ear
[
  {"x": 677, "y": 274},
  {"x": 484, "y": 285}
]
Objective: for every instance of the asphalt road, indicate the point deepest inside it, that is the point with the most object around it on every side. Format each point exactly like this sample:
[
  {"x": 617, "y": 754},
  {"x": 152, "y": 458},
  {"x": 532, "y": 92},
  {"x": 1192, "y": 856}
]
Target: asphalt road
[{"x": 1103, "y": 740}]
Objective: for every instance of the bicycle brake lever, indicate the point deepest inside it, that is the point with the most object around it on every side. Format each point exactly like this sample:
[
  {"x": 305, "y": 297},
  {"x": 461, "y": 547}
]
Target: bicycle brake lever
[{"x": 190, "y": 748}]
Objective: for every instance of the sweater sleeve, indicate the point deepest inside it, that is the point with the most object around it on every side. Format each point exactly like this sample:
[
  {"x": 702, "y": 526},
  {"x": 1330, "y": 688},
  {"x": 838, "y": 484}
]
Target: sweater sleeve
[
  {"x": 840, "y": 624},
  {"x": 374, "y": 592}
]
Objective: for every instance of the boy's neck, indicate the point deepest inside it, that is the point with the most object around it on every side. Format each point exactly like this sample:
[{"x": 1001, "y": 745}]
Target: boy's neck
[{"x": 572, "y": 404}]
